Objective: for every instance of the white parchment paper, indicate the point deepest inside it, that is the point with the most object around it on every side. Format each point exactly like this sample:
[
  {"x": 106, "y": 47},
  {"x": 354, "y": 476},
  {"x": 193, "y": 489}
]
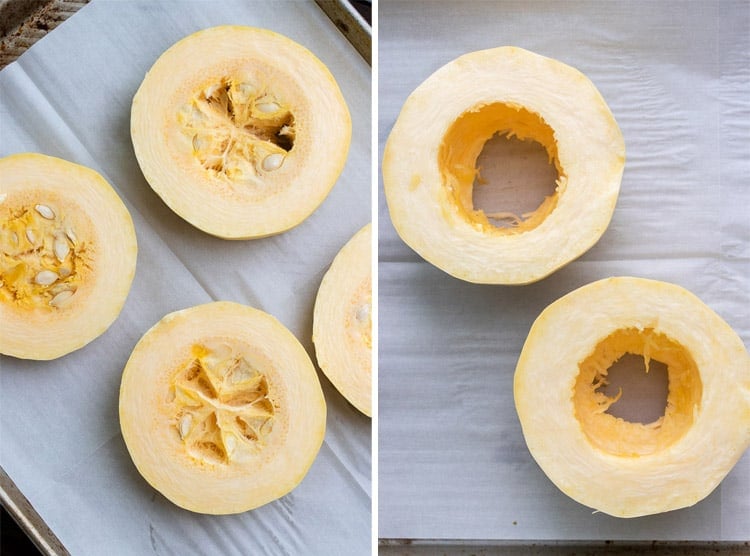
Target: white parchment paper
[
  {"x": 453, "y": 463},
  {"x": 69, "y": 96}
]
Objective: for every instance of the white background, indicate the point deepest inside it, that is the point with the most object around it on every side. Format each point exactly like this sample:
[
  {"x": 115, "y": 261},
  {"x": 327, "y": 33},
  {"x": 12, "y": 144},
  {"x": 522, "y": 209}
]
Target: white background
[
  {"x": 69, "y": 96},
  {"x": 453, "y": 463}
]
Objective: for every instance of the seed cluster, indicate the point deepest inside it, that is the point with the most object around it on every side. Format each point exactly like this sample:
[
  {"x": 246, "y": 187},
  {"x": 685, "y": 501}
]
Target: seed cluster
[
  {"x": 41, "y": 258},
  {"x": 220, "y": 402},
  {"x": 238, "y": 130}
]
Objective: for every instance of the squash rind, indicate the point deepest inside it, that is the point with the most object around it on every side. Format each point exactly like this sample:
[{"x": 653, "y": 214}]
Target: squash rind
[
  {"x": 255, "y": 476},
  {"x": 589, "y": 148},
  {"x": 219, "y": 206},
  {"x": 675, "y": 476},
  {"x": 342, "y": 322},
  {"x": 106, "y": 228}
]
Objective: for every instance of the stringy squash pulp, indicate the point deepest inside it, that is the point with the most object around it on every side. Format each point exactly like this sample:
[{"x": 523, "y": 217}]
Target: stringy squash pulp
[
  {"x": 67, "y": 256},
  {"x": 429, "y": 165},
  {"x": 241, "y": 131},
  {"x": 623, "y": 468},
  {"x": 342, "y": 322},
  {"x": 221, "y": 408}
]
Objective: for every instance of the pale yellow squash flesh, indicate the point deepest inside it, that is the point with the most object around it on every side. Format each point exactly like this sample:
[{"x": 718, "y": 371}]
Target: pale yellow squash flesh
[
  {"x": 342, "y": 321},
  {"x": 221, "y": 408},
  {"x": 67, "y": 256},
  {"x": 622, "y": 468},
  {"x": 430, "y": 164},
  {"x": 241, "y": 131}
]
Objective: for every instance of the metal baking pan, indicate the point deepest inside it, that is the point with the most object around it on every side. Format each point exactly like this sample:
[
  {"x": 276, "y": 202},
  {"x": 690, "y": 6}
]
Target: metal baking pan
[{"x": 22, "y": 23}]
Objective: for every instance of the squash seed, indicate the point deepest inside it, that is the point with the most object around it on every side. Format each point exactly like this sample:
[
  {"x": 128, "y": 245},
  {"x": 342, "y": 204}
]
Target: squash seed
[
  {"x": 61, "y": 298},
  {"x": 267, "y": 107},
  {"x": 45, "y": 211},
  {"x": 46, "y": 277},
  {"x": 61, "y": 248},
  {"x": 272, "y": 162},
  {"x": 210, "y": 90},
  {"x": 247, "y": 90},
  {"x": 363, "y": 313},
  {"x": 230, "y": 443},
  {"x": 71, "y": 235},
  {"x": 185, "y": 423},
  {"x": 30, "y": 236}
]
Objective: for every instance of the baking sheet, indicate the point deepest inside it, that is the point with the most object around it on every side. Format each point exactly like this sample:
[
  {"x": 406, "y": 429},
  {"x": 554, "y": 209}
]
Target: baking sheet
[
  {"x": 69, "y": 96},
  {"x": 452, "y": 461}
]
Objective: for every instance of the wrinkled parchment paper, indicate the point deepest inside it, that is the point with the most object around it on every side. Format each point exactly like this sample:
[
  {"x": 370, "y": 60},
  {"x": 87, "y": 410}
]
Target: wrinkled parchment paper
[
  {"x": 69, "y": 96},
  {"x": 453, "y": 463}
]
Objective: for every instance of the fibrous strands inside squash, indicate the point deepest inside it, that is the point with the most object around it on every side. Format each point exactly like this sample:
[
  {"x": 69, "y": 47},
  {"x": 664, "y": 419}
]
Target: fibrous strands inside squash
[
  {"x": 459, "y": 156},
  {"x": 237, "y": 129},
  {"x": 592, "y": 404},
  {"x": 42, "y": 263},
  {"x": 218, "y": 402}
]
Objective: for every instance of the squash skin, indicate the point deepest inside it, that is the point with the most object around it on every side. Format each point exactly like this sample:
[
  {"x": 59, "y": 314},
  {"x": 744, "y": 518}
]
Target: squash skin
[
  {"x": 342, "y": 322},
  {"x": 589, "y": 149},
  {"x": 277, "y": 200},
  {"x": 103, "y": 230},
  {"x": 674, "y": 476},
  {"x": 255, "y": 476}
]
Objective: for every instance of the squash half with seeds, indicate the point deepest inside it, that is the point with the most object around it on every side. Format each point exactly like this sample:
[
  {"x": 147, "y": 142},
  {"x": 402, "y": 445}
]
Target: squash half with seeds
[
  {"x": 430, "y": 158},
  {"x": 241, "y": 131},
  {"x": 221, "y": 408},
  {"x": 342, "y": 322},
  {"x": 67, "y": 256},
  {"x": 624, "y": 468}
]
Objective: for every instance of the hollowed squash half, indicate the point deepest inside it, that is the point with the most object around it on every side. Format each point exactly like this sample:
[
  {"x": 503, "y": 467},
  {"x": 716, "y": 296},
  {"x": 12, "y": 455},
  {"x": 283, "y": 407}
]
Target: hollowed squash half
[
  {"x": 221, "y": 408},
  {"x": 241, "y": 131},
  {"x": 430, "y": 165},
  {"x": 342, "y": 321},
  {"x": 67, "y": 256},
  {"x": 624, "y": 468}
]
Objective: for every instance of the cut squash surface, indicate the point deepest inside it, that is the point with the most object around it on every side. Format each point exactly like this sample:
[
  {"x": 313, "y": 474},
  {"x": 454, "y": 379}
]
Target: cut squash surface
[
  {"x": 67, "y": 256},
  {"x": 430, "y": 165},
  {"x": 342, "y": 321},
  {"x": 623, "y": 468},
  {"x": 241, "y": 131},
  {"x": 221, "y": 408}
]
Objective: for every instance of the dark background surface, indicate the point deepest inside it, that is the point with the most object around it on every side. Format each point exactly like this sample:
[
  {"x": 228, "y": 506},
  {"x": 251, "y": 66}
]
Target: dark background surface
[{"x": 13, "y": 541}]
